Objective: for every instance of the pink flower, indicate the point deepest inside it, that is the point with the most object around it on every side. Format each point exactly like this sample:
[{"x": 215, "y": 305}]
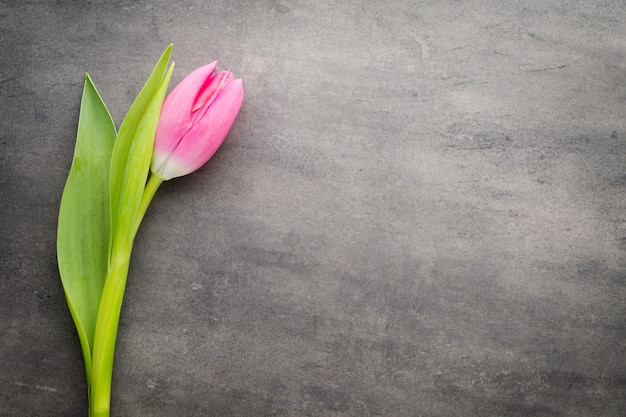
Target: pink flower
[{"x": 195, "y": 118}]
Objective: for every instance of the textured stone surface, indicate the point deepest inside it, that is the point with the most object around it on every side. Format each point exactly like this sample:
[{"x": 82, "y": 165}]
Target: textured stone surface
[{"x": 419, "y": 212}]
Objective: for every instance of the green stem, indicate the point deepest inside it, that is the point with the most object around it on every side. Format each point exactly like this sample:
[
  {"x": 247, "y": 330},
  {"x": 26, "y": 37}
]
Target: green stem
[
  {"x": 148, "y": 193},
  {"x": 106, "y": 334},
  {"x": 109, "y": 313}
]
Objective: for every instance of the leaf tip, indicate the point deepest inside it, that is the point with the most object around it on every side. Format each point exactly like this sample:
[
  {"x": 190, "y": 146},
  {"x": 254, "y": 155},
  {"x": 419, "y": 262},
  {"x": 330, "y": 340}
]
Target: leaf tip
[{"x": 168, "y": 52}]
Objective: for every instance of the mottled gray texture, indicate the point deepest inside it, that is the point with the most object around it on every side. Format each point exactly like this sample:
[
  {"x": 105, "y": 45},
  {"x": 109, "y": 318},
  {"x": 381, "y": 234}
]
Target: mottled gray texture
[{"x": 420, "y": 210}]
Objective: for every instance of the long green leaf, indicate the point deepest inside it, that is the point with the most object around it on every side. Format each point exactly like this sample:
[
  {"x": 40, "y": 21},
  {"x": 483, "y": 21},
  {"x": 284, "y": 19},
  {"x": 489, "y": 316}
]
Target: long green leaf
[
  {"x": 132, "y": 170},
  {"x": 83, "y": 229},
  {"x": 132, "y": 147}
]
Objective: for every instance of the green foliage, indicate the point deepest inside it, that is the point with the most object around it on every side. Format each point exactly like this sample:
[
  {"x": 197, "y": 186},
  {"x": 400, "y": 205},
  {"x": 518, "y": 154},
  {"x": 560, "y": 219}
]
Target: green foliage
[
  {"x": 83, "y": 229},
  {"x": 132, "y": 153},
  {"x": 101, "y": 208}
]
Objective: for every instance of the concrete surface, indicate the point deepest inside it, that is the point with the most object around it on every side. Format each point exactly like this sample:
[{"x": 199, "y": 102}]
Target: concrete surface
[{"x": 419, "y": 212}]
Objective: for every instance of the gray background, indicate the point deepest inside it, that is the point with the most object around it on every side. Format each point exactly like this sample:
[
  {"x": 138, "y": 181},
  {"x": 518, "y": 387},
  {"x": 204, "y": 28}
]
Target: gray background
[{"x": 420, "y": 210}]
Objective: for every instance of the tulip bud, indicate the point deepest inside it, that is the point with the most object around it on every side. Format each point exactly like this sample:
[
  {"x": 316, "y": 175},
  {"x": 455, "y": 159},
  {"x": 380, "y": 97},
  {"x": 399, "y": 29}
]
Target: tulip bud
[{"x": 195, "y": 118}]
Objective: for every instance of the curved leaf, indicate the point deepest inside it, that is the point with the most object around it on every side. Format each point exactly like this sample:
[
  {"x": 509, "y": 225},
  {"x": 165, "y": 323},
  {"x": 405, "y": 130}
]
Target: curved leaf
[
  {"x": 129, "y": 171},
  {"x": 84, "y": 231},
  {"x": 133, "y": 147}
]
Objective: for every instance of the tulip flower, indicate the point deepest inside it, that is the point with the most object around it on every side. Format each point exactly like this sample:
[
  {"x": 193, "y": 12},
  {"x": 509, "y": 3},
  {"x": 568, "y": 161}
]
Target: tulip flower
[
  {"x": 106, "y": 195},
  {"x": 195, "y": 118}
]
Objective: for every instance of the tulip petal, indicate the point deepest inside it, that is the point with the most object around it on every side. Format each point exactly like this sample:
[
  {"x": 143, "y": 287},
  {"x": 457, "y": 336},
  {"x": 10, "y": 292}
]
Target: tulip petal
[
  {"x": 207, "y": 97},
  {"x": 202, "y": 141},
  {"x": 177, "y": 109}
]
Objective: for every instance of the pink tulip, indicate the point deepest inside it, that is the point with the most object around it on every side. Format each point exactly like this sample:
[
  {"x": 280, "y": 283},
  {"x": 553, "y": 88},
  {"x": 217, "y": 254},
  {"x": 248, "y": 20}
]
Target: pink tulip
[{"x": 195, "y": 118}]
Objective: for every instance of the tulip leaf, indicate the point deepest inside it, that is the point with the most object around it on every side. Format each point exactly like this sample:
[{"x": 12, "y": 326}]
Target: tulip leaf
[
  {"x": 83, "y": 228},
  {"x": 130, "y": 165},
  {"x": 133, "y": 151}
]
